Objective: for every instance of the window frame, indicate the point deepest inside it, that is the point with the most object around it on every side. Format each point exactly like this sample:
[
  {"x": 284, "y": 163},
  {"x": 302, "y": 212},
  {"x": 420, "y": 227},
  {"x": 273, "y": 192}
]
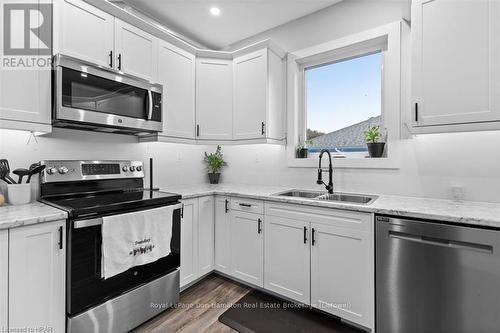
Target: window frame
[{"x": 385, "y": 39}]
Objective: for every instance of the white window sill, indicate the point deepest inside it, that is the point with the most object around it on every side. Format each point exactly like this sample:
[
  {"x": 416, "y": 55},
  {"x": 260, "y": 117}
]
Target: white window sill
[{"x": 346, "y": 163}]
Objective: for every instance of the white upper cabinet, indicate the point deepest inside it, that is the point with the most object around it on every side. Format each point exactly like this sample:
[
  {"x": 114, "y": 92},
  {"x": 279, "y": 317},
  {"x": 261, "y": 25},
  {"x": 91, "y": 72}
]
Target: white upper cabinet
[
  {"x": 214, "y": 102},
  {"x": 206, "y": 235},
  {"x": 456, "y": 62},
  {"x": 84, "y": 32},
  {"x": 37, "y": 260},
  {"x": 136, "y": 51},
  {"x": 25, "y": 97},
  {"x": 258, "y": 96},
  {"x": 176, "y": 72}
]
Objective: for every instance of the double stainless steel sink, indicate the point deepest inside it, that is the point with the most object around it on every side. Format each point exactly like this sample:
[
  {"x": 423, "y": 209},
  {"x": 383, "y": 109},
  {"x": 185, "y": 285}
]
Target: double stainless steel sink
[{"x": 350, "y": 198}]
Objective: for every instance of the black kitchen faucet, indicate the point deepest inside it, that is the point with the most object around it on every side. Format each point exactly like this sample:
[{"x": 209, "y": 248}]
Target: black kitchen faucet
[{"x": 320, "y": 181}]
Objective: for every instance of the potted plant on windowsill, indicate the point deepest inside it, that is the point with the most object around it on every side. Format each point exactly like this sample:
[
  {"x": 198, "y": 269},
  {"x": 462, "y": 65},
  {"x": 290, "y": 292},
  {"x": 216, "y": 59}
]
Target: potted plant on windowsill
[
  {"x": 302, "y": 151},
  {"x": 372, "y": 139},
  {"x": 215, "y": 162}
]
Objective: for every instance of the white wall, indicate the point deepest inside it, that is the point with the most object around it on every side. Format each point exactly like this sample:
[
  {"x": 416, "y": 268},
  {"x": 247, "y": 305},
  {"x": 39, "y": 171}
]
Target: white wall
[{"x": 173, "y": 163}]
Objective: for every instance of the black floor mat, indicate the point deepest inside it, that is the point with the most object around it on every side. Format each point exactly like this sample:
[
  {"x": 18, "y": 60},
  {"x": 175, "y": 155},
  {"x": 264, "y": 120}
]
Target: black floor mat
[{"x": 258, "y": 312}]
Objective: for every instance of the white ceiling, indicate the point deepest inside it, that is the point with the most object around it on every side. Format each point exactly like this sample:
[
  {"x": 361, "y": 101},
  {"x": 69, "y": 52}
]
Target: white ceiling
[{"x": 238, "y": 20}]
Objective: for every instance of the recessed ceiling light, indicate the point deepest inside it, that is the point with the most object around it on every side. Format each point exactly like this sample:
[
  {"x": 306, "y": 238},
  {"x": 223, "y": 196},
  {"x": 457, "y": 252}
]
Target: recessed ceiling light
[{"x": 215, "y": 11}]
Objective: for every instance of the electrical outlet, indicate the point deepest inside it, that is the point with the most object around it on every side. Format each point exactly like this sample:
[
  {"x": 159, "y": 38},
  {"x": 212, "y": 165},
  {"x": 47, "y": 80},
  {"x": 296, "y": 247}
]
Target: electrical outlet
[{"x": 457, "y": 193}]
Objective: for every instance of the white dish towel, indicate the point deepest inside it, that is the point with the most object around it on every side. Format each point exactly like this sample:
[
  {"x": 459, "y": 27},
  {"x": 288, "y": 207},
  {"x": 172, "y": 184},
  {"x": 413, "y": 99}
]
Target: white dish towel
[{"x": 135, "y": 239}]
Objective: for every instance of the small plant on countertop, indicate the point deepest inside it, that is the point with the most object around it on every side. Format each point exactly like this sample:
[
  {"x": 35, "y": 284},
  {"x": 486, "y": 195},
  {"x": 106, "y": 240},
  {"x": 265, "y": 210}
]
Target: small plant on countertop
[
  {"x": 372, "y": 139},
  {"x": 215, "y": 163}
]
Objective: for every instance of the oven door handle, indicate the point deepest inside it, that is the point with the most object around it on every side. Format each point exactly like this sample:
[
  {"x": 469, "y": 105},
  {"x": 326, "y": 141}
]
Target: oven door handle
[{"x": 98, "y": 221}]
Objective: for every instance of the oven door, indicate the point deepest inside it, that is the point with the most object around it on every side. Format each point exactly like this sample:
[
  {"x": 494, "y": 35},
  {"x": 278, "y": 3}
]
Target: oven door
[
  {"x": 86, "y": 287},
  {"x": 93, "y": 96}
]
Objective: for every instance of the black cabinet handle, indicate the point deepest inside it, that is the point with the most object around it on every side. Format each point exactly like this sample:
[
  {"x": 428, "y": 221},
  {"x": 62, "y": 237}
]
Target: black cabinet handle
[
  {"x": 416, "y": 112},
  {"x": 120, "y": 61},
  {"x": 259, "y": 226},
  {"x": 197, "y": 130},
  {"x": 313, "y": 239},
  {"x": 263, "y": 128},
  {"x": 227, "y": 206},
  {"x": 305, "y": 235},
  {"x": 182, "y": 211},
  {"x": 111, "y": 58},
  {"x": 245, "y": 204},
  {"x": 60, "y": 238}
]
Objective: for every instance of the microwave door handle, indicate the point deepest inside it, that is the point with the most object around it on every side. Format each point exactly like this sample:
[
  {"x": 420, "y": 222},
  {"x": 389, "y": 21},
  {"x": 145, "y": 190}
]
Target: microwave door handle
[{"x": 150, "y": 104}]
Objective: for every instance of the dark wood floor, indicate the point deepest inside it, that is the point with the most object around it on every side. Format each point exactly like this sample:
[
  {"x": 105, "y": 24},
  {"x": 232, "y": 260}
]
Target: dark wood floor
[{"x": 199, "y": 308}]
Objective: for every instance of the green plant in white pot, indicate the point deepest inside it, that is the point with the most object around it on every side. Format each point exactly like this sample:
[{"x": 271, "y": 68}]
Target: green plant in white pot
[
  {"x": 215, "y": 163},
  {"x": 373, "y": 139}
]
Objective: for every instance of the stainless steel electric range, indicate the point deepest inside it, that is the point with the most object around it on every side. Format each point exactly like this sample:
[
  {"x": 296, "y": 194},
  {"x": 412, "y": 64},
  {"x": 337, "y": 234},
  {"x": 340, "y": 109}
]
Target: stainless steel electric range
[{"x": 89, "y": 191}]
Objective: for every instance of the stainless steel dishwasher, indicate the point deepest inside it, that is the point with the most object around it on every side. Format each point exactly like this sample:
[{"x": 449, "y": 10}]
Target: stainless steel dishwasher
[{"x": 435, "y": 277}]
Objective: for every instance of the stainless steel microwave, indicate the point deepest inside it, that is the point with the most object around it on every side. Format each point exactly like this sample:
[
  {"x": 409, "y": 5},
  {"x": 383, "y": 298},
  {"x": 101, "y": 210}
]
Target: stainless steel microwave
[{"x": 92, "y": 97}]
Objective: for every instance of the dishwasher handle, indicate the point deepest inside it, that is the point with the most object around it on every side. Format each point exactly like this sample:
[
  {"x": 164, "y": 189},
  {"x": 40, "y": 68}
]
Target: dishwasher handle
[{"x": 485, "y": 248}]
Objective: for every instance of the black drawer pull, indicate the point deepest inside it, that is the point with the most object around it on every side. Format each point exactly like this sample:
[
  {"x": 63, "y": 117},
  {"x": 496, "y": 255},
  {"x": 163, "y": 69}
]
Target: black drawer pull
[
  {"x": 305, "y": 235},
  {"x": 227, "y": 206},
  {"x": 244, "y": 204},
  {"x": 259, "y": 226}
]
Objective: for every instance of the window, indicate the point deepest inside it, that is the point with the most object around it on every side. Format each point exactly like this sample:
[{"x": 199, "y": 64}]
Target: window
[{"x": 341, "y": 100}]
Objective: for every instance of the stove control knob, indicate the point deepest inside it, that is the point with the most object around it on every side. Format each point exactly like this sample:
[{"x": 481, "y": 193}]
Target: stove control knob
[
  {"x": 125, "y": 168},
  {"x": 139, "y": 168},
  {"x": 132, "y": 168},
  {"x": 51, "y": 171},
  {"x": 63, "y": 170}
]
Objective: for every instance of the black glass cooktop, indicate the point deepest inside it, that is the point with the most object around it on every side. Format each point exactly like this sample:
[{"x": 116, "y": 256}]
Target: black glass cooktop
[{"x": 111, "y": 202}]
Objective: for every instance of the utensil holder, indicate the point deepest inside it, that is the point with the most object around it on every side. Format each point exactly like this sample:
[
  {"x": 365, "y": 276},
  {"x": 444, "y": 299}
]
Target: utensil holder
[{"x": 19, "y": 194}]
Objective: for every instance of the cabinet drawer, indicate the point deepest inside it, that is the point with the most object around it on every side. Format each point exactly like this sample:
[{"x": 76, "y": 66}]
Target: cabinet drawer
[
  {"x": 335, "y": 217},
  {"x": 247, "y": 205}
]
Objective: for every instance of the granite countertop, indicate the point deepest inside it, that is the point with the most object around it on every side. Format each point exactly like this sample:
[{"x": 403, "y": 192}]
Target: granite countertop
[
  {"x": 464, "y": 212},
  {"x": 36, "y": 212}
]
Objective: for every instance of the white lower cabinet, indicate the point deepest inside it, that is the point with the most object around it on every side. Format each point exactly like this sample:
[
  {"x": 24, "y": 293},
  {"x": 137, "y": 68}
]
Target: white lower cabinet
[
  {"x": 205, "y": 235},
  {"x": 4, "y": 278},
  {"x": 247, "y": 247},
  {"x": 342, "y": 272},
  {"x": 327, "y": 252},
  {"x": 197, "y": 238},
  {"x": 287, "y": 258},
  {"x": 37, "y": 261},
  {"x": 222, "y": 234},
  {"x": 189, "y": 241}
]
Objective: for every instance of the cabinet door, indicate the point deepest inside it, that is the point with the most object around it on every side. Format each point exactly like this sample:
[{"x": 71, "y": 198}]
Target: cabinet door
[
  {"x": 136, "y": 51},
  {"x": 247, "y": 247},
  {"x": 342, "y": 272},
  {"x": 37, "y": 276},
  {"x": 222, "y": 235},
  {"x": 250, "y": 95},
  {"x": 287, "y": 258},
  {"x": 84, "y": 32},
  {"x": 214, "y": 100},
  {"x": 206, "y": 235},
  {"x": 189, "y": 242},
  {"x": 176, "y": 72},
  {"x": 4, "y": 277},
  {"x": 25, "y": 95},
  {"x": 456, "y": 66}
]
